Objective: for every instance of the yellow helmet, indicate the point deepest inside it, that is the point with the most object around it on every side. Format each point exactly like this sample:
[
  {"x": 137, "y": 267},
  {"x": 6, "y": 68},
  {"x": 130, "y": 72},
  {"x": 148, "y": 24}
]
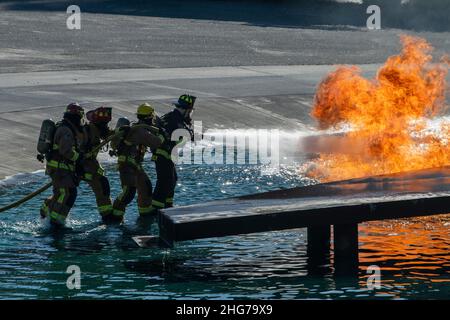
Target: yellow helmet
[{"x": 145, "y": 110}]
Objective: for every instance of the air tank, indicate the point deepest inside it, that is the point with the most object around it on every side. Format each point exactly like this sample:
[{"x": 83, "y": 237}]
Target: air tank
[
  {"x": 121, "y": 122},
  {"x": 46, "y": 135}
]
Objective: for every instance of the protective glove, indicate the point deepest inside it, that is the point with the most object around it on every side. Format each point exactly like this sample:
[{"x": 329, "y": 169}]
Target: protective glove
[
  {"x": 163, "y": 134},
  {"x": 124, "y": 129},
  {"x": 191, "y": 132}
]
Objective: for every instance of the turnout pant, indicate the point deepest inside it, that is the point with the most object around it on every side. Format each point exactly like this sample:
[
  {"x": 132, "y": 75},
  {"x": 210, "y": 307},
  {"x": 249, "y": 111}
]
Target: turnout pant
[
  {"x": 133, "y": 179},
  {"x": 58, "y": 205},
  {"x": 94, "y": 176},
  {"x": 165, "y": 184}
]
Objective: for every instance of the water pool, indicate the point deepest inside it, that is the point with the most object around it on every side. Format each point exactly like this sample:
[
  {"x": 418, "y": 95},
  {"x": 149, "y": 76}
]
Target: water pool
[{"x": 413, "y": 254}]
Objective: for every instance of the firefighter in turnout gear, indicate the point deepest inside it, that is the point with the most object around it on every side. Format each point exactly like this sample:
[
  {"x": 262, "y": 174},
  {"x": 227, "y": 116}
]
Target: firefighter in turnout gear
[
  {"x": 94, "y": 132},
  {"x": 63, "y": 159},
  {"x": 137, "y": 138},
  {"x": 179, "y": 118}
]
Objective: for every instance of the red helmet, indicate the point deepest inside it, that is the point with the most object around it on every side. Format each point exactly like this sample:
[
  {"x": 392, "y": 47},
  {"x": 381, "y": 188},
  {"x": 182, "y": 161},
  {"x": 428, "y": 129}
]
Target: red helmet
[
  {"x": 75, "y": 108},
  {"x": 101, "y": 114}
]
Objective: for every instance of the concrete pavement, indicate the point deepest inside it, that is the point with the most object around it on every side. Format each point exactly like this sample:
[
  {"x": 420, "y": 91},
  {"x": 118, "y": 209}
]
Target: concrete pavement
[{"x": 200, "y": 33}]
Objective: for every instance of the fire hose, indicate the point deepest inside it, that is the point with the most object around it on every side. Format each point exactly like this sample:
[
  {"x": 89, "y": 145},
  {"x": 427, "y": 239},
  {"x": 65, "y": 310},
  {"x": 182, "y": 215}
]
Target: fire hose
[{"x": 89, "y": 154}]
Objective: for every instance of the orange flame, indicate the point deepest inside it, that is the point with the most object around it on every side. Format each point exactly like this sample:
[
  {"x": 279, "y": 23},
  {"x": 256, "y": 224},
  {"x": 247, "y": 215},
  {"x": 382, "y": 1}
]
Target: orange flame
[{"x": 387, "y": 115}]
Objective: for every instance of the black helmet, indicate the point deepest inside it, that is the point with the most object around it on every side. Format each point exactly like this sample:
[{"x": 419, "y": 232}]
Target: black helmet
[{"x": 185, "y": 101}]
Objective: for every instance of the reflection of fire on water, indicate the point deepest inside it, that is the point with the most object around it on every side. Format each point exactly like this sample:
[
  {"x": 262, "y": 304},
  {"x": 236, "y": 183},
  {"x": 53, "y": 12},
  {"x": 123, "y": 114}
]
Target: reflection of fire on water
[{"x": 387, "y": 115}]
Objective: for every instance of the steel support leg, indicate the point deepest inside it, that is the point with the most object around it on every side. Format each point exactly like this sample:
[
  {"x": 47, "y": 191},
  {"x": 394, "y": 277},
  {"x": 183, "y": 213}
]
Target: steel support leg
[
  {"x": 318, "y": 248},
  {"x": 346, "y": 249}
]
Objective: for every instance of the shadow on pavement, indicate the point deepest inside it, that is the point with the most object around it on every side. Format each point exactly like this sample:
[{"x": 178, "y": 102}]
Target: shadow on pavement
[{"x": 418, "y": 15}]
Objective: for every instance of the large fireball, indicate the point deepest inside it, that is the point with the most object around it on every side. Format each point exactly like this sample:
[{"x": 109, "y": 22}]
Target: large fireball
[{"x": 387, "y": 115}]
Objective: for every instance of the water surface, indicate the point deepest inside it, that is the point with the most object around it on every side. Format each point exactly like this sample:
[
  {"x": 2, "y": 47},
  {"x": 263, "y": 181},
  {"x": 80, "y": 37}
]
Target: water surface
[{"x": 413, "y": 254}]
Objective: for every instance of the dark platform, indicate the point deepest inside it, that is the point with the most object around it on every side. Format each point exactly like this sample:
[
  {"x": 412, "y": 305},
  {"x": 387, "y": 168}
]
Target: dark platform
[
  {"x": 419, "y": 193},
  {"x": 341, "y": 204}
]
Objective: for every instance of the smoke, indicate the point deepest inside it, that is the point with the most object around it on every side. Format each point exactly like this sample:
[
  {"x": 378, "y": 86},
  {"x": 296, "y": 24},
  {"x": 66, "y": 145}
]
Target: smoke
[{"x": 417, "y": 15}]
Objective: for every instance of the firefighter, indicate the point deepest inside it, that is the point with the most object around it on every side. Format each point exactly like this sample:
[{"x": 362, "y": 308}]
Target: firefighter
[
  {"x": 62, "y": 163},
  {"x": 130, "y": 151},
  {"x": 179, "y": 118},
  {"x": 94, "y": 132}
]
